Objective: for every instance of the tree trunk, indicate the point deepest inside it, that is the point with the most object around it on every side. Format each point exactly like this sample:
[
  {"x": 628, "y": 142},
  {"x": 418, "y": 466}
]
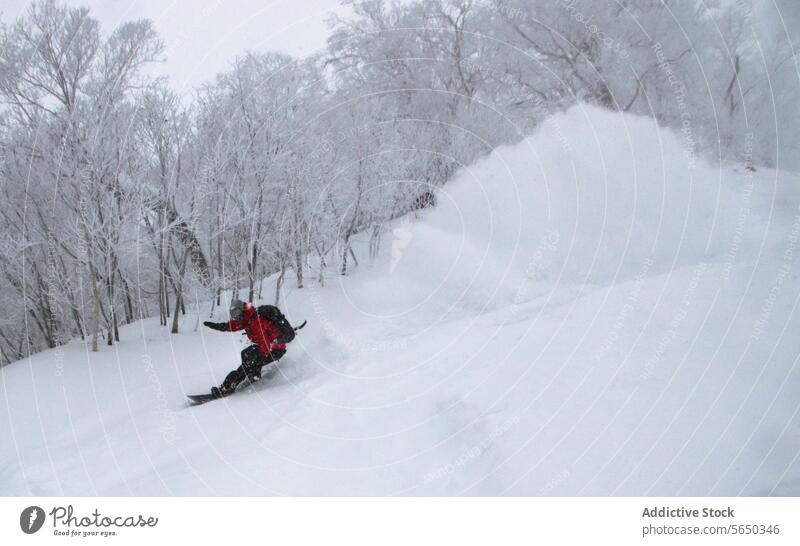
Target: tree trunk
[
  {"x": 298, "y": 266},
  {"x": 162, "y": 315},
  {"x": 96, "y": 311},
  {"x": 251, "y": 271},
  {"x": 176, "y": 314},
  {"x": 344, "y": 256},
  {"x": 129, "y": 315},
  {"x": 279, "y": 281}
]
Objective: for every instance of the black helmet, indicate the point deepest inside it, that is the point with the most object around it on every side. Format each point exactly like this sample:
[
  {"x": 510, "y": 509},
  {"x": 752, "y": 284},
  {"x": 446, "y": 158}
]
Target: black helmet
[{"x": 237, "y": 309}]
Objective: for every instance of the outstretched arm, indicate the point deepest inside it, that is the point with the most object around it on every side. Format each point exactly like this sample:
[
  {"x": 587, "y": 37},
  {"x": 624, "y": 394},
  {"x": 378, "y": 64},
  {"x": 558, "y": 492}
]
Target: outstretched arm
[
  {"x": 231, "y": 326},
  {"x": 221, "y": 326}
]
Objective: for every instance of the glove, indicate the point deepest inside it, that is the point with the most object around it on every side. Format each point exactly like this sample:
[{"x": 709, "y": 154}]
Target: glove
[{"x": 221, "y": 326}]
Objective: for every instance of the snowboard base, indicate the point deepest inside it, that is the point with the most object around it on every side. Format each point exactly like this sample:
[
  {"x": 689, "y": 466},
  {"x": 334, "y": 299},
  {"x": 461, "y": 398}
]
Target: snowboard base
[{"x": 197, "y": 399}]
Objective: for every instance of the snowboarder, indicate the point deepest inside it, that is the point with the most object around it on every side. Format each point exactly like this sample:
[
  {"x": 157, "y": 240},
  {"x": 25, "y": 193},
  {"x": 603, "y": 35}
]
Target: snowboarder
[{"x": 269, "y": 331}]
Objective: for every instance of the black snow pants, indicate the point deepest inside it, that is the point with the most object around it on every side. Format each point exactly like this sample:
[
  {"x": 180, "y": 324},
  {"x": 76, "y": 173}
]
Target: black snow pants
[{"x": 252, "y": 362}]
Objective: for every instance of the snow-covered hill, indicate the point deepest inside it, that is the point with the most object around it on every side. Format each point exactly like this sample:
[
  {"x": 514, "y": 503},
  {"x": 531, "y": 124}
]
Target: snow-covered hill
[{"x": 592, "y": 311}]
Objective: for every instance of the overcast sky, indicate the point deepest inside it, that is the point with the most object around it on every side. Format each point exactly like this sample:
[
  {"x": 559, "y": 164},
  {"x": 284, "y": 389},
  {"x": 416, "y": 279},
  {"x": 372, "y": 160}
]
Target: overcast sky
[{"x": 203, "y": 37}]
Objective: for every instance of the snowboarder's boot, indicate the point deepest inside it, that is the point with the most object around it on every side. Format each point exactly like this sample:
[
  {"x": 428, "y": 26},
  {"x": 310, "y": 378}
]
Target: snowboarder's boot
[{"x": 222, "y": 391}]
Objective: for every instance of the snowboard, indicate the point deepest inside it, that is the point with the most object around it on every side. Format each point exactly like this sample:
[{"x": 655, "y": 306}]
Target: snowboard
[
  {"x": 246, "y": 385},
  {"x": 198, "y": 399}
]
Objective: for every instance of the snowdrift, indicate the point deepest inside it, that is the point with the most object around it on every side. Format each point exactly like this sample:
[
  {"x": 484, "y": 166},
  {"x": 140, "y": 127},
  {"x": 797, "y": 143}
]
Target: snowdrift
[
  {"x": 590, "y": 311},
  {"x": 592, "y": 197}
]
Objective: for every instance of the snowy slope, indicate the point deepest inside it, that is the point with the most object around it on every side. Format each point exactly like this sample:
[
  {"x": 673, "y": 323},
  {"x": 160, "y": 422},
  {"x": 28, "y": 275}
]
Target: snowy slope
[{"x": 591, "y": 311}]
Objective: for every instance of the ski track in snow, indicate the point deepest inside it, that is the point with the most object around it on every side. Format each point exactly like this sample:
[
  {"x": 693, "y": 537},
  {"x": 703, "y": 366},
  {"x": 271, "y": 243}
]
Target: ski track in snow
[{"x": 594, "y": 319}]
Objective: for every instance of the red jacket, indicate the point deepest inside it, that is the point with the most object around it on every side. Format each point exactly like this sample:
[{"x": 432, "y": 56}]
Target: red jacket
[{"x": 258, "y": 329}]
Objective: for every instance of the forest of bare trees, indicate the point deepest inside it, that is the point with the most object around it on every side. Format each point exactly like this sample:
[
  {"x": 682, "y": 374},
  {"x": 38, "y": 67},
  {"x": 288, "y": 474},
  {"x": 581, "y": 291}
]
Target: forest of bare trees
[{"x": 122, "y": 200}]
